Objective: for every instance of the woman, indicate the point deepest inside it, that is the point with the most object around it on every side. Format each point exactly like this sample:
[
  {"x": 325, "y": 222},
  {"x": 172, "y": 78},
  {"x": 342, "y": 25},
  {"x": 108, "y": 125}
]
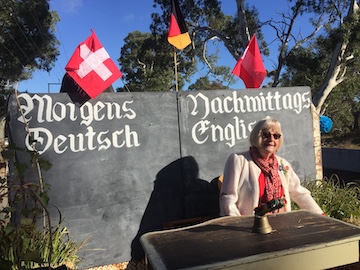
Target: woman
[{"x": 256, "y": 177}]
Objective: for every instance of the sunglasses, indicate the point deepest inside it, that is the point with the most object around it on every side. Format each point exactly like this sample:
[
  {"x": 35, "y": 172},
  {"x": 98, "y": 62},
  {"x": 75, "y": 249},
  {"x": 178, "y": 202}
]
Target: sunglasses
[{"x": 268, "y": 135}]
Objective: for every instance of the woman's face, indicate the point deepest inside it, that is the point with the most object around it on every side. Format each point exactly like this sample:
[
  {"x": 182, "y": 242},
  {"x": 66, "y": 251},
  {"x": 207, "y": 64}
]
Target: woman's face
[{"x": 270, "y": 142}]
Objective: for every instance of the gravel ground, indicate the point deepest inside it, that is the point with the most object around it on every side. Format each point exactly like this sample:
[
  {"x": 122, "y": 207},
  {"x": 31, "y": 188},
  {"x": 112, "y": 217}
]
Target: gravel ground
[{"x": 132, "y": 265}]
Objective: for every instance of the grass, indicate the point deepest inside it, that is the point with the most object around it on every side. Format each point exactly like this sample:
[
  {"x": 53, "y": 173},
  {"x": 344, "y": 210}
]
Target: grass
[
  {"x": 336, "y": 199},
  {"x": 34, "y": 247}
]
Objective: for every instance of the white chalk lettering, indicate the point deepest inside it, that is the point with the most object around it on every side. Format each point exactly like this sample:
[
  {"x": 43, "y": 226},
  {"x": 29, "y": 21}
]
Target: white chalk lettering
[
  {"x": 41, "y": 109},
  {"x": 46, "y": 111},
  {"x": 204, "y": 131},
  {"x": 247, "y": 104},
  {"x": 40, "y": 137},
  {"x": 80, "y": 142}
]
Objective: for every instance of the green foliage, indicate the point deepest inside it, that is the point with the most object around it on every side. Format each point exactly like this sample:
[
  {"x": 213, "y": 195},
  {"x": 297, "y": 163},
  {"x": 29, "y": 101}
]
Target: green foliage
[
  {"x": 205, "y": 20},
  {"x": 309, "y": 66},
  {"x": 345, "y": 117},
  {"x": 24, "y": 243},
  {"x": 209, "y": 29},
  {"x": 205, "y": 84},
  {"x": 336, "y": 199},
  {"x": 34, "y": 246},
  {"x": 147, "y": 62},
  {"x": 27, "y": 39},
  {"x": 306, "y": 67}
]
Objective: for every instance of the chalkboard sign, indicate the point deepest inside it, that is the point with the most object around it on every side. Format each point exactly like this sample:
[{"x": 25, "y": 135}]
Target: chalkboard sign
[
  {"x": 214, "y": 124},
  {"x": 128, "y": 163}
]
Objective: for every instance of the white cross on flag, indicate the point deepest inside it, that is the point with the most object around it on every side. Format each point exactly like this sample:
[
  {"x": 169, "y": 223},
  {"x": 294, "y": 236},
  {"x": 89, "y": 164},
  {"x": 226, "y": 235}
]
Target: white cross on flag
[{"x": 91, "y": 67}]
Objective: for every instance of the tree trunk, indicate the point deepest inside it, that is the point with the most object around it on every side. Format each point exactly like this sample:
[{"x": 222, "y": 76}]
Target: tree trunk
[
  {"x": 337, "y": 65},
  {"x": 244, "y": 30},
  {"x": 317, "y": 144}
]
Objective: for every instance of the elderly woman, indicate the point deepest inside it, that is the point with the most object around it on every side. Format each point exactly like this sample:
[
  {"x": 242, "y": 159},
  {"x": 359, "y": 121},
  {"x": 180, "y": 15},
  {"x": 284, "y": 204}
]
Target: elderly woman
[{"x": 258, "y": 176}]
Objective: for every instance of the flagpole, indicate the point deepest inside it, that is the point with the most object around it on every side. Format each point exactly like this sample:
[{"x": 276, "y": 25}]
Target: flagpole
[
  {"x": 176, "y": 75},
  {"x": 178, "y": 35}
]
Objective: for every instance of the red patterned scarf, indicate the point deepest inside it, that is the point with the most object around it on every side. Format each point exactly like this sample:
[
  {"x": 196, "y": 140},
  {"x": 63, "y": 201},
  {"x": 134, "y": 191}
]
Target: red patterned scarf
[{"x": 270, "y": 169}]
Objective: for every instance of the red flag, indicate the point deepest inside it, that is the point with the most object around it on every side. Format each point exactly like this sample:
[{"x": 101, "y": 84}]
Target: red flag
[
  {"x": 91, "y": 67},
  {"x": 250, "y": 67},
  {"x": 178, "y": 35}
]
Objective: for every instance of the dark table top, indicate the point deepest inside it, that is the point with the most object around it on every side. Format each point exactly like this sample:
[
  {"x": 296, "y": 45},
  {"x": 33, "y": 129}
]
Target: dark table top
[{"x": 226, "y": 238}]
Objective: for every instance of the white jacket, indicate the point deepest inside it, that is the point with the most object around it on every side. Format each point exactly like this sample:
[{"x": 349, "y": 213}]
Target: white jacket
[{"x": 239, "y": 193}]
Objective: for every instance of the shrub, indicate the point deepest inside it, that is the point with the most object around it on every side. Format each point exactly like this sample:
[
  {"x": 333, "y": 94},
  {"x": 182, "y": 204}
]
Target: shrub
[
  {"x": 337, "y": 199},
  {"x": 24, "y": 243}
]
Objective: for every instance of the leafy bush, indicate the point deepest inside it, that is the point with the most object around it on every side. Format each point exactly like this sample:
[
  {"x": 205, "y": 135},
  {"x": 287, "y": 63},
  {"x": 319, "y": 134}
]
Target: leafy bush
[
  {"x": 24, "y": 243},
  {"x": 336, "y": 199},
  {"x": 25, "y": 247}
]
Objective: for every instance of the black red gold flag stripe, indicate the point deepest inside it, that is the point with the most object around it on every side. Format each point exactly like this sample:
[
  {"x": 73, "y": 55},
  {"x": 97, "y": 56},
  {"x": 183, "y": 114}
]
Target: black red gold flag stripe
[{"x": 178, "y": 35}]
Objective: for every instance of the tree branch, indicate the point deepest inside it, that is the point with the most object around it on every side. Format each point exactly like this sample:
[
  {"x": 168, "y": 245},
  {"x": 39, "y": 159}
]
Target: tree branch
[
  {"x": 215, "y": 34},
  {"x": 338, "y": 62},
  {"x": 285, "y": 35}
]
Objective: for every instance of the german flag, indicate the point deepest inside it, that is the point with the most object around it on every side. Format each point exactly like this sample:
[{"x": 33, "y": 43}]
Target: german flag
[{"x": 178, "y": 35}]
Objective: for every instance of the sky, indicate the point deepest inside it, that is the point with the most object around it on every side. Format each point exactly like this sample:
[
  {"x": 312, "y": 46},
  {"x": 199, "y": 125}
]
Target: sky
[{"x": 112, "y": 21}]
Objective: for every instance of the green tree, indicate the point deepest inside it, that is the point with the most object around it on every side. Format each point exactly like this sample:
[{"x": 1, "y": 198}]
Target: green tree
[
  {"x": 147, "y": 62},
  {"x": 207, "y": 22},
  {"x": 209, "y": 29},
  {"x": 344, "y": 41},
  {"x": 205, "y": 84},
  {"x": 308, "y": 67},
  {"x": 329, "y": 68},
  {"x": 329, "y": 65},
  {"x": 27, "y": 40}
]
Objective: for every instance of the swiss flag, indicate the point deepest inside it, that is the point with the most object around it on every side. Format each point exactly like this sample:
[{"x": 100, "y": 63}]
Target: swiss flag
[
  {"x": 250, "y": 67},
  {"x": 91, "y": 67}
]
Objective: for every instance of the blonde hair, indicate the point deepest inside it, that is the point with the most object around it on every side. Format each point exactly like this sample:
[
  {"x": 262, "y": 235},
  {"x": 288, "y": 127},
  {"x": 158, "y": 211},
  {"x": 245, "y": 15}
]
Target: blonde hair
[{"x": 262, "y": 125}]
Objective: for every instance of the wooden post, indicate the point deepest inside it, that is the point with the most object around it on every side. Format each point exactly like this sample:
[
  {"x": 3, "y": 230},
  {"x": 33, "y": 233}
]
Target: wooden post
[{"x": 176, "y": 73}]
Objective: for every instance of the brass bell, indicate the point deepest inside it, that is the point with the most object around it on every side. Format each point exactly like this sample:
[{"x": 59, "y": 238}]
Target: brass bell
[{"x": 261, "y": 225}]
